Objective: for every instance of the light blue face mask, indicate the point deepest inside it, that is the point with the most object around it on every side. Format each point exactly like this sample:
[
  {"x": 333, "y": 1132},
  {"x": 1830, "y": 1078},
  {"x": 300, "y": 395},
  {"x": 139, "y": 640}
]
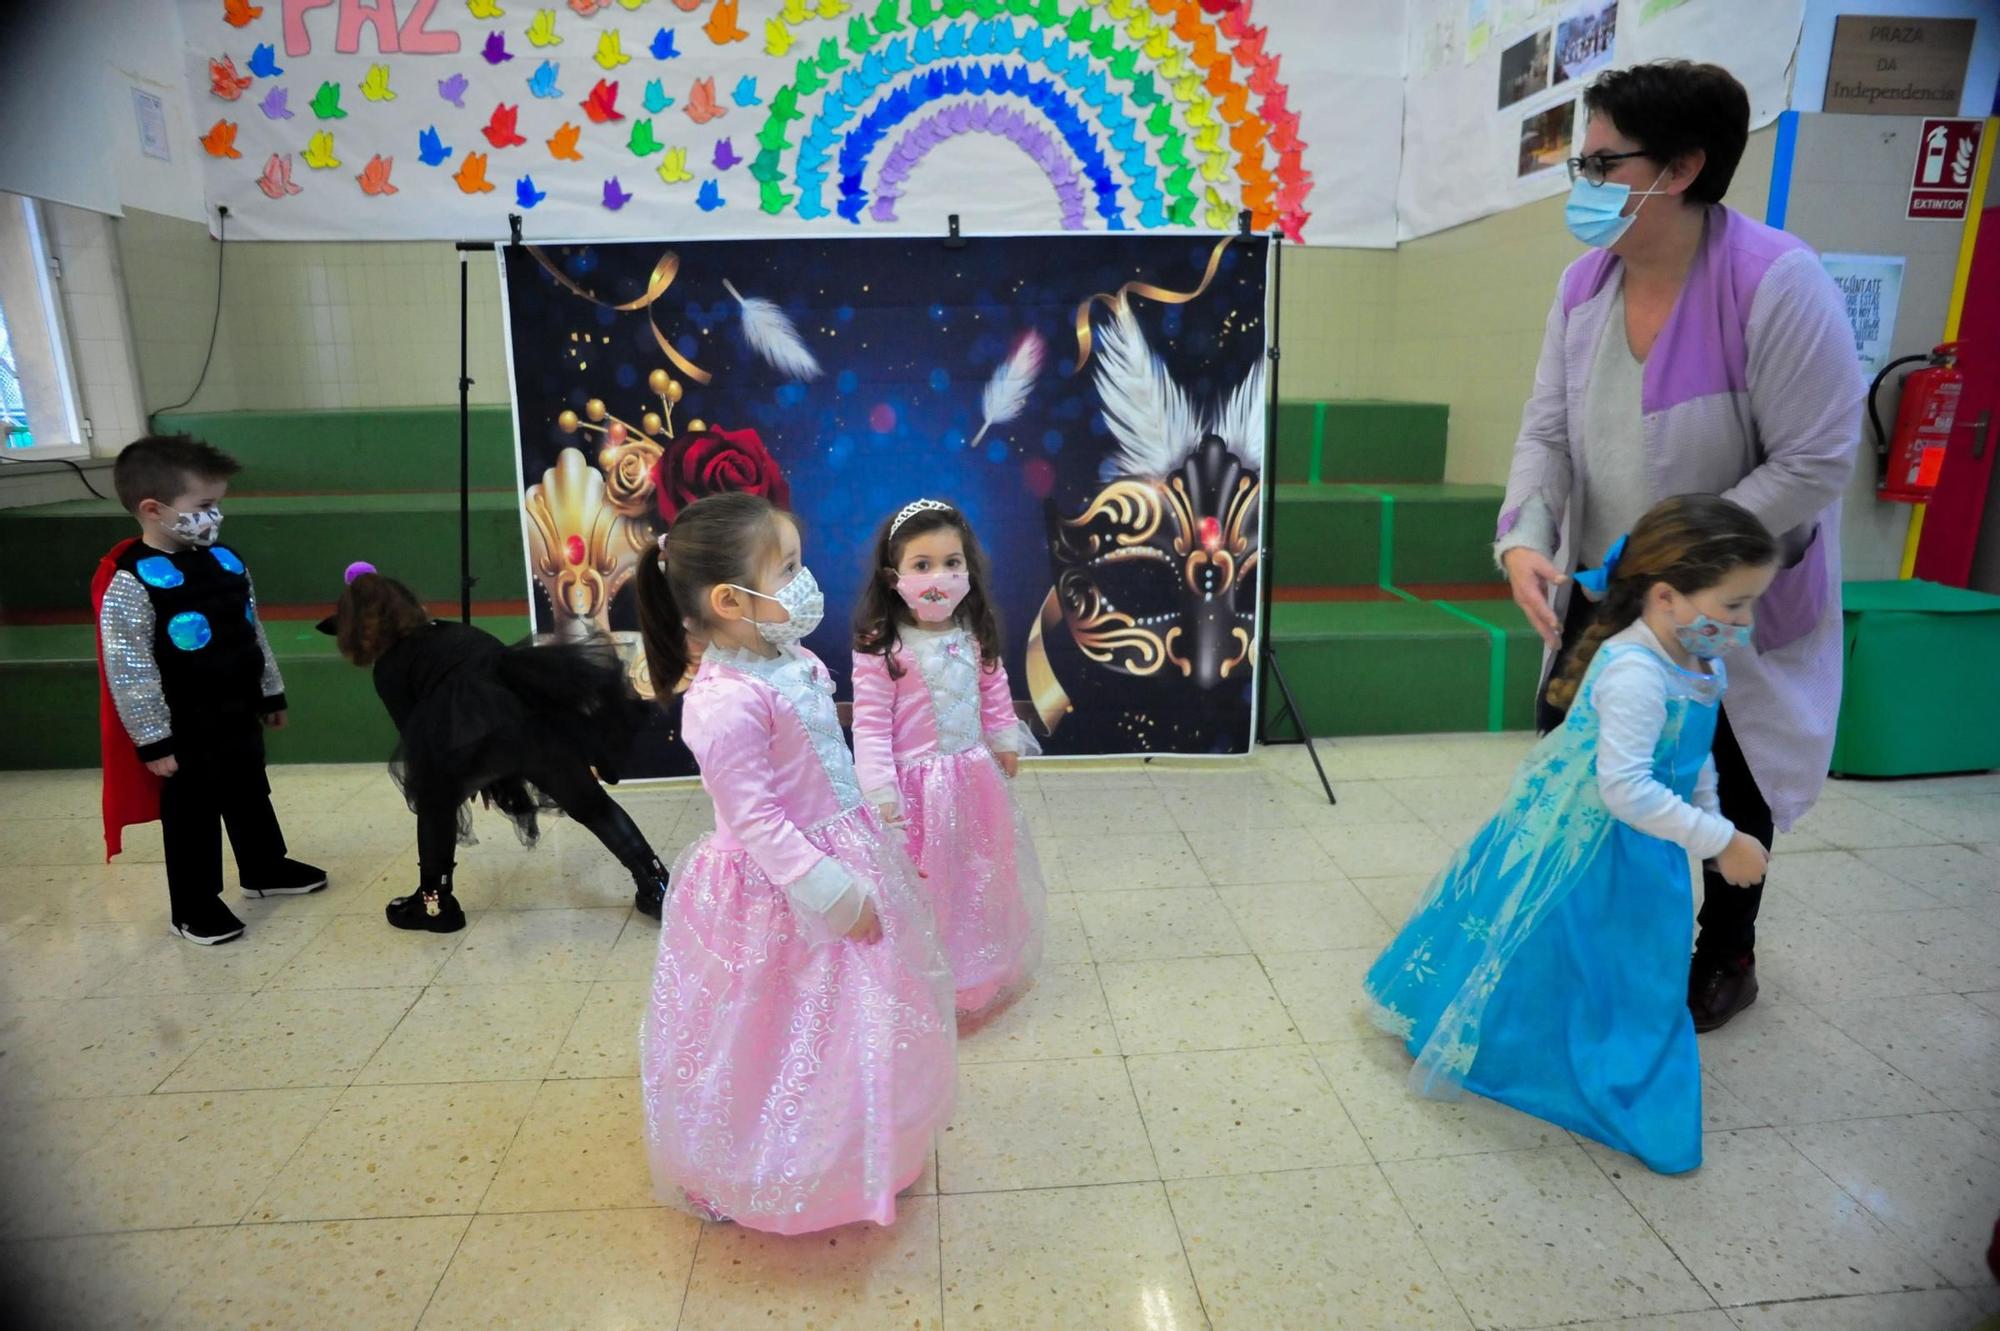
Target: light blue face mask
[
  {"x": 1705, "y": 638},
  {"x": 1595, "y": 214}
]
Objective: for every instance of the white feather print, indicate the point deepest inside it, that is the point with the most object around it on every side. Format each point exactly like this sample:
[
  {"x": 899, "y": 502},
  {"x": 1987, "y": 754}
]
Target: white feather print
[
  {"x": 1147, "y": 412},
  {"x": 1240, "y": 423},
  {"x": 1007, "y": 391},
  {"x": 771, "y": 335}
]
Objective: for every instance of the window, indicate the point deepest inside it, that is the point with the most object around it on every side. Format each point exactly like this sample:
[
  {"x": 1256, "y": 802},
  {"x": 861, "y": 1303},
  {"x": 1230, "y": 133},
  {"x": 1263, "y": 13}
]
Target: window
[{"x": 38, "y": 410}]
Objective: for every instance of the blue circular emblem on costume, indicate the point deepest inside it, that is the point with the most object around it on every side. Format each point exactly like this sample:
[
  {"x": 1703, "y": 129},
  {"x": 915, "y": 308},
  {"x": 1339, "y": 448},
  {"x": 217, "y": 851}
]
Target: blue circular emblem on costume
[
  {"x": 159, "y": 571},
  {"x": 250, "y": 612},
  {"x": 189, "y": 630},
  {"x": 227, "y": 558}
]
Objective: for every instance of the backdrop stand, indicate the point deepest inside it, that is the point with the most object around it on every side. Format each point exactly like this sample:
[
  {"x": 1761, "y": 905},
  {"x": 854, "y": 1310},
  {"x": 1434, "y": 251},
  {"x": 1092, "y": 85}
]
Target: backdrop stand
[
  {"x": 465, "y": 576},
  {"x": 1267, "y": 649}
]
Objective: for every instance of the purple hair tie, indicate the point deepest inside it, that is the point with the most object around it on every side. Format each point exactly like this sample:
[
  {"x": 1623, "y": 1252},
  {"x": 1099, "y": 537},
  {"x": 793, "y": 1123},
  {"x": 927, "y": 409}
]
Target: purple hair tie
[{"x": 356, "y": 569}]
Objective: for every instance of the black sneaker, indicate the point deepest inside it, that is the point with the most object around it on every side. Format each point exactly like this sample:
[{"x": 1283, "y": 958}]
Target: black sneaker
[
  {"x": 211, "y": 924},
  {"x": 289, "y": 879},
  {"x": 432, "y": 909},
  {"x": 649, "y": 896},
  {"x": 1720, "y": 990}
]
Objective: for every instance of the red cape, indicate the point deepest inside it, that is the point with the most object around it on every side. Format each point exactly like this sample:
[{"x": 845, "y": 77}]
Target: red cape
[{"x": 131, "y": 793}]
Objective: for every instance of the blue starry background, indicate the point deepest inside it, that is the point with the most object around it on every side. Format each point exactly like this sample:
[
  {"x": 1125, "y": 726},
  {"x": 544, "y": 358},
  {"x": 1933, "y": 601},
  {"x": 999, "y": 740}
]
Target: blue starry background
[{"x": 907, "y": 333}]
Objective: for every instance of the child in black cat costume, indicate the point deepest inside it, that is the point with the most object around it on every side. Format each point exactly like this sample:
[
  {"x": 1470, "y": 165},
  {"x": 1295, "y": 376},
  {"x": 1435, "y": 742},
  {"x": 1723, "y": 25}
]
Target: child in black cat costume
[{"x": 525, "y": 728}]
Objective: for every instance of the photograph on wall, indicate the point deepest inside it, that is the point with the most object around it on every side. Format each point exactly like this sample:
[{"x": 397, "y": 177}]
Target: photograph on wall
[
  {"x": 1094, "y": 405},
  {"x": 1524, "y": 68},
  {"x": 1584, "y": 41},
  {"x": 1545, "y": 139},
  {"x": 1478, "y": 28}
]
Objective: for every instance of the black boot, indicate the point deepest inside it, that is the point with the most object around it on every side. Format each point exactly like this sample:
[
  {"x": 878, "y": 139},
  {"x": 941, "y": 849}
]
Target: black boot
[
  {"x": 431, "y": 908},
  {"x": 1719, "y": 989},
  {"x": 649, "y": 889}
]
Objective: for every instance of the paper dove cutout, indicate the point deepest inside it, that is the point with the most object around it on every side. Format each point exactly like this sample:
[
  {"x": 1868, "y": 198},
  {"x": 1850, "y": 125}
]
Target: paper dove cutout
[
  {"x": 264, "y": 61},
  {"x": 543, "y": 82},
  {"x": 585, "y": 8},
  {"x": 562, "y": 146},
  {"x": 674, "y": 169},
  {"x": 610, "y": 50},
  {"x": 495, "y": 51},
  {"x": 542, "y": 32},
  {"x": 778, "y": 38},
  {"x": 642, "y": 143},
  {"x": 224, "y": 81},
  {"x": 375, "y": 86},
  {"x": 220, "y": 141},
  {"x": 277, "y": 105},
  {"x": 500, "y": 131},
  {"x": 525, "y": 193},
  {"x": 485, "y": 9},
  {"x": 746, "y": 92},
  {"x": 722, "y": 27},
  {"x": 453, "y": 90},
  {"x": 374, "y": 177},
  {"x": 725, "y": 155},
  {"x": 710, "y": 197},
  {"x": 471, "y": 176},
  {"x": 701, "y": 104},
  {"x": 663, "y": 45},
  {"x": 656, "y": 96},
  {"x": 602, "y": 104},
  {"x": 430, "y": 148},
  {"x": 319, "y": 151},
  {"x": 615, "y": 196},
  {"x": 326, "y": 102},
  {"x": 276, "y": 182},
  {"x": 241, "y": 13}
]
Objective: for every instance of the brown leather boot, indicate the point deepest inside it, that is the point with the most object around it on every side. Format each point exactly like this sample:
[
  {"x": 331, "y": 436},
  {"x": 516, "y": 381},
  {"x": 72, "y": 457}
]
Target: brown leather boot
[{"x": 1718, "y": 990}]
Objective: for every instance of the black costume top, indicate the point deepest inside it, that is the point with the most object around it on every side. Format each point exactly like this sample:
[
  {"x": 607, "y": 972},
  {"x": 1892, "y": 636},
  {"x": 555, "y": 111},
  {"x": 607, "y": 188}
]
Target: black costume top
[{"x": 183, "y": 649}]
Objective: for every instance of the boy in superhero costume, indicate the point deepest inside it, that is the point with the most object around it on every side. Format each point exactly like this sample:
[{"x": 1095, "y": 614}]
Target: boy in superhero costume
[{"x": 188, "y": 683}]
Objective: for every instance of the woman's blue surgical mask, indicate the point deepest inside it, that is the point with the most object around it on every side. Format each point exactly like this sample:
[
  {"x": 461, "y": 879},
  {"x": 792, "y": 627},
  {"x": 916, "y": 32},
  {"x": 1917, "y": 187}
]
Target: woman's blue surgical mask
[{"x": 1595, "y": 214}]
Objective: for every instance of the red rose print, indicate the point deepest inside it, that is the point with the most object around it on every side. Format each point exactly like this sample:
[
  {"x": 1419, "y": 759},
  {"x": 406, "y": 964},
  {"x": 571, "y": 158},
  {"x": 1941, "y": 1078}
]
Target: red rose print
[{"x": 716, "y": 461}]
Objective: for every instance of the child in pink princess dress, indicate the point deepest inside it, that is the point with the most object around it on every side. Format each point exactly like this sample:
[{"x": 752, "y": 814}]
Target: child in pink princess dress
[
  {"x": 936, "y": 741},
  {"x": 799, "y": 1049}
]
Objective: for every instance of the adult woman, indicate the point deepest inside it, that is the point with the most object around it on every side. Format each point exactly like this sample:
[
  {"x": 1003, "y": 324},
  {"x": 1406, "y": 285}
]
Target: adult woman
[{"x": 1694, "y": 350}]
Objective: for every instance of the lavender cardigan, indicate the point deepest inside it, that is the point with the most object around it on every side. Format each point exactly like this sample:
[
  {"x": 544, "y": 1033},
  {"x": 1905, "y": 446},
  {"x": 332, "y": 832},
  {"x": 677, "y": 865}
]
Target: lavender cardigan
[{"x": 1752, "y": 391}]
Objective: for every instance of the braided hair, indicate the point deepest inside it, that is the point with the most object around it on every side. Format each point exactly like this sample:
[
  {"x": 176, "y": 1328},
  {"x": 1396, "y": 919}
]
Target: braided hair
[{"x": 1689, "y": 542}]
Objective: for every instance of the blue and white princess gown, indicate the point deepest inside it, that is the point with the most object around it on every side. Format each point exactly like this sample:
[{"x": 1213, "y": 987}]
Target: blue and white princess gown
[{"x": 1547, "y": 967}]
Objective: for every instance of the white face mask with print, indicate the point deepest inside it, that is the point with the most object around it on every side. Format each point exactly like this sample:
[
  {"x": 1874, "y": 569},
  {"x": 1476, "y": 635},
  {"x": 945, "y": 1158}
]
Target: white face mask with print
[{"x": 804, "y": 607}]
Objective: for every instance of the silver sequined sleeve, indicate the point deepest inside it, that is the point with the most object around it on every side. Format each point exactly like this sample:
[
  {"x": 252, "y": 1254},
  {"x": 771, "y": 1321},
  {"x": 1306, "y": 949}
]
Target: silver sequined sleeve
[
  {"x": 274, "y": 683},
  {"x": 126, "y": 626}
]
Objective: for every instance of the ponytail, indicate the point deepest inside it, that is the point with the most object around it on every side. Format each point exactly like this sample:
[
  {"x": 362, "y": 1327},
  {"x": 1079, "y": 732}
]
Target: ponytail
[
  {"x": 1690, "y": 542},
  {"x": 713, "y": 540},
  {"x": 661, "y": 631}
]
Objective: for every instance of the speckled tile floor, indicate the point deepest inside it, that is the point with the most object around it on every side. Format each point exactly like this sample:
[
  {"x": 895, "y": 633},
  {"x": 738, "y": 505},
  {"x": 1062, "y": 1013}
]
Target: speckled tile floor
[{"x": 1186, "y": 1123}]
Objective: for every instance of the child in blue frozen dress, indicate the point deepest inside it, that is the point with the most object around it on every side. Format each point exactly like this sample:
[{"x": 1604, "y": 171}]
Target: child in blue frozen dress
[{"x": 1547, "y": 966}]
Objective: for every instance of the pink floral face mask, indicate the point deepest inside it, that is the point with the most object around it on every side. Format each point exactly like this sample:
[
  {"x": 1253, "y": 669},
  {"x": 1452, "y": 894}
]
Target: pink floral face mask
[{"x": 933, "y": 597}]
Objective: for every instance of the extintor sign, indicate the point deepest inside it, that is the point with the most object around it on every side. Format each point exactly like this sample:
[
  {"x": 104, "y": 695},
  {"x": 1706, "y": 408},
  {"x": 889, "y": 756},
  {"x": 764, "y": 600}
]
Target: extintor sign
[{"x": 1941, "y": 184}]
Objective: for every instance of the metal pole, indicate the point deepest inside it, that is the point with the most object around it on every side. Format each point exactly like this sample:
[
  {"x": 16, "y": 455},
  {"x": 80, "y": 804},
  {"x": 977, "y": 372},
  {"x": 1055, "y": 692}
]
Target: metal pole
[{"x": 464, "y": 452}]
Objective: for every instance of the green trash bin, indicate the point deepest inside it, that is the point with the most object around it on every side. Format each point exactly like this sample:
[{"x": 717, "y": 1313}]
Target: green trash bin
[{"x": 1922, "y": 691}]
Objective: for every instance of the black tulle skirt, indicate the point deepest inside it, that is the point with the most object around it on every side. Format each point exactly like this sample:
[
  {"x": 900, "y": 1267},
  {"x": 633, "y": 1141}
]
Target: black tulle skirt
[{"x": 519, "y": 728}]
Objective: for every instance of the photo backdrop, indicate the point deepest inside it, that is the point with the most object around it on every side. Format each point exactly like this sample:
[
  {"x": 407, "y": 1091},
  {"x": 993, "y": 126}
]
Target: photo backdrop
[{"x": 1094, "y": 404}]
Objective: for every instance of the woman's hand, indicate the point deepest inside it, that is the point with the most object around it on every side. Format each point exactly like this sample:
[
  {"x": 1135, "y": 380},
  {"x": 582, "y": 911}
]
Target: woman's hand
[
  {"x": 1532, "y": 578},
  {"x": 867, "y": 926},
  {"x": 1010, "y": 763},
  {"x": 1743, "y": 863}
]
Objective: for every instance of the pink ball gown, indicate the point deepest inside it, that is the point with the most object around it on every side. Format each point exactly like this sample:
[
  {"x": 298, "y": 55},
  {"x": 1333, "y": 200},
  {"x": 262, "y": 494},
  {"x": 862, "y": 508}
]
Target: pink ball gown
[
  {"x": 792, "y": 1080},
  {"x": 925, "y": 740}
]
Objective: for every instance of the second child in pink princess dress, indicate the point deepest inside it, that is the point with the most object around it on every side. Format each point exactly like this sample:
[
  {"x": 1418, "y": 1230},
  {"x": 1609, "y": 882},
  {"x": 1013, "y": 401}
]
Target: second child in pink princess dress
[
  {"x": 798, "y": 1051},
  {"x": 936, "y": 741}
]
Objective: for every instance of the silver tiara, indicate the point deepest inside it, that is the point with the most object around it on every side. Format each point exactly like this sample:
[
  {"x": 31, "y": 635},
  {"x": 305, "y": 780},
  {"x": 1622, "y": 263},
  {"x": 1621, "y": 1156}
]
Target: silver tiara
[{"x": 920, "y": 506}]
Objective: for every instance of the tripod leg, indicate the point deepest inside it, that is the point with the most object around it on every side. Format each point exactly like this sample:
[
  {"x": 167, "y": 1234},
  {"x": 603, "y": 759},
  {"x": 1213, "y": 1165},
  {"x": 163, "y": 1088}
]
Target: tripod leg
[{"x": 1298, "y": 719}]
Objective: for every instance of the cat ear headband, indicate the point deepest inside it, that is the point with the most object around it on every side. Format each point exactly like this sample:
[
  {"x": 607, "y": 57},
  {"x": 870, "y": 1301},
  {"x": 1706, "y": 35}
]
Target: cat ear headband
[
  {"x": 330, "y": 625},
  {"x": 909, "y": 511}
]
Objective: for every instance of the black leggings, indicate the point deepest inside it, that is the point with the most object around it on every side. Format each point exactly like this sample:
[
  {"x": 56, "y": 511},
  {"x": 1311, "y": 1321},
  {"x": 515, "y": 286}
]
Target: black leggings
[
  {"x": 1728, "y": 919},
  {"x": 575, "y": 791}
]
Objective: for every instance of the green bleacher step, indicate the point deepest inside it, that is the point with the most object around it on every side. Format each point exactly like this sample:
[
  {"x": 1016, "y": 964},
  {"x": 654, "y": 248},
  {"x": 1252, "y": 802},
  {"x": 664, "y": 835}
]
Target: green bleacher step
[
  {"x": 1361, "y": 440},
  {"x": 1331, "y": 535},
  {"x": 1401, "y": 668},
  {"x": 48, "y": 674},
  {"x": 381, "y": 449},
  {"x": 296, "y": 546}
]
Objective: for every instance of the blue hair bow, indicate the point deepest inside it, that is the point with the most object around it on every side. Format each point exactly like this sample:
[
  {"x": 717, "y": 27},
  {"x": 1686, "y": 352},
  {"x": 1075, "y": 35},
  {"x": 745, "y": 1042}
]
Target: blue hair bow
[{"x": 1597, "y": 581}]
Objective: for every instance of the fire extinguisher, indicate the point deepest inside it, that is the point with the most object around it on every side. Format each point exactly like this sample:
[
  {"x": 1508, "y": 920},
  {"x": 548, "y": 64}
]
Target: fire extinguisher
[{"x": 1908, "y": 465}]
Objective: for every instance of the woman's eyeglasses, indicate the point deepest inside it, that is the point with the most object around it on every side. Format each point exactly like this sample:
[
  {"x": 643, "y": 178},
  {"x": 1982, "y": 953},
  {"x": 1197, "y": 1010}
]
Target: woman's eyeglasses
[{"x": 1596, "y": 166}]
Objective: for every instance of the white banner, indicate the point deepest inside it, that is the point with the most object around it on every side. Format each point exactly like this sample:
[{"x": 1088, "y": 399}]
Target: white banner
[{"x": 602, "y": 119}]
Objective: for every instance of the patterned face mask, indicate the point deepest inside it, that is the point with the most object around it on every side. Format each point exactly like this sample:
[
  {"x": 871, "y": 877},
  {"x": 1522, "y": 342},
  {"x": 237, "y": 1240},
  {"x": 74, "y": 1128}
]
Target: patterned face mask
[
  {"x": 933, "y": 597},
  {"x": 804, "y": 606},
  {"x": 1705, "y": 638},
  {"x": 200, "y": 527}
]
